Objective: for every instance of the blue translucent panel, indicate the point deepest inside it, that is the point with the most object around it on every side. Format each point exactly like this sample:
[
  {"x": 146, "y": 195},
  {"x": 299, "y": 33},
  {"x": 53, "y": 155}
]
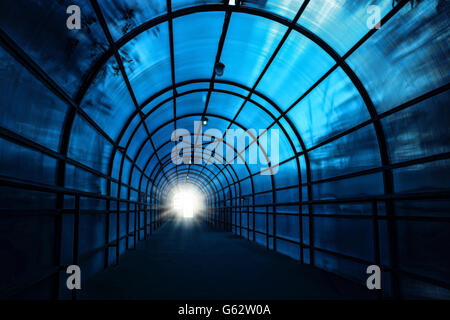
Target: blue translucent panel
[
  {"x": 13, "y": 198},
  {"x": 108, "y": 101},
  {"x": 407, "y": 57},
  {"x": 88, "y": 146},
  {"x": 179, "y": 4},
  {"x": 166, "y": 150},
  {"x": 279, "y": 149},
  {"x": 360, "y": 209},
  {"x": 384, "y": 242},
  {"x": 241, "y": 171},
  {"x": 265, "y": 198},
  {"x": 421, "y": 247},
  {"x": 416, "y": 289},
  {"x": 126, "y": 170},
  {"x": 253, "y": 117},
  {"x": 267, "y": 104},
  {"x": 135, "y": 177},
  {"x": 156, "y": 101},
  {"x": 123, "y": 192},
  {"x": 116, "y": 165},
  {"x": 193, "y": 86},
  {"x": 196, "y": 38},
  {"x": 297, "y": 66},
  {"x": 29, "y": 108},
  {"x": 291, "y": 133},
  {"x": 431, "y": 176},
  {"x": 262, "y": 183},
  {"x": 303, "y": 169},
  {"x": 162, "y": 135},
  {"x": 162, "y": 115},
  {"x": 39, "y": 28},
  {"x": 123, "y": 16},
  {"x": 285, "y": 8},
  {"x": 145, "y": 154},
  {"x": 185, "y": 123},
  {"x": 249, "y": 44},
  {"x": 340, "y": 265},
  {"x": 79, "y": 179},
  {"x": 15, "y": 161},
  {"x": 129, "y": 131},
  {"x": 152, "y": 167},
  {"x": 215, "y": 123},
  {"x": 341, "y": 23},
  {"x": 288, "y": 195},
  {"x": 419, "y": 131},
  {"x": 246, "y": 186},
  {"x": 191, "y": 103},
  {"x": 366, "y": 185},
  {"x": 287, "y": 227},
  {"x": 330, "y": 234},
  {"x": 91, "y": 232},
  {"x": 229, "y": 87},
  {"x": 351, "y": 153},
  {"x": 147, "y": 62},
  {"x": 331, "y": 108},
  {"x": 287, "y": 174},
  {"x": 224, "y": 104},
  {"x": 136, "y": 142},
  {"x": 429, "y": 208},
  {"x": 28, "y": 245}
]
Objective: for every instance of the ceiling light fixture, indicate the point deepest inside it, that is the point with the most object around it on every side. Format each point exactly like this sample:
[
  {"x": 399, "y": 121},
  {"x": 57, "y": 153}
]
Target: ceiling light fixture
[{"x": 219, "y": 68}]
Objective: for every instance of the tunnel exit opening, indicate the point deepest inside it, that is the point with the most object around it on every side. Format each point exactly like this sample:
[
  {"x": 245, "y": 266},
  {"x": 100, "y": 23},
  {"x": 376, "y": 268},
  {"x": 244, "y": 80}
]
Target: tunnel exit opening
[{"x": 186, "y": 201}]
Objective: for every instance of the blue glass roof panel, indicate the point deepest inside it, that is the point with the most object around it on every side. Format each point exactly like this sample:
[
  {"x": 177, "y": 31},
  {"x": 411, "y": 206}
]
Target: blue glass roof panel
[
  {"x": 108, "y": 101},
  {"x": 332, "y": 107},
  {"x": 28, "y": 108},
  {"x": 250, "y": 42},
  {"x": 341, "y": 23},
  {"x": 146, "y": 59},
  {"x": 284, "y": 8},
  {"x": 122, "y": 16},
  {"x": 196, "y": 37},
  {"x": 407, "y": 57},
  {"x": 297, "y": 66},
  {"x": 39, "y": 28}
]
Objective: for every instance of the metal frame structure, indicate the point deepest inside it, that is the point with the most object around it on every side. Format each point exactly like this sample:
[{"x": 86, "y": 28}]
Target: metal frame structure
[{"x": 223, "y": 211}]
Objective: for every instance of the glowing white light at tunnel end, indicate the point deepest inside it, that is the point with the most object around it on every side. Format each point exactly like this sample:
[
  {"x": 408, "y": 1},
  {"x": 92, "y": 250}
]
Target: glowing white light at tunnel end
[{"x": 186, "y": 201}]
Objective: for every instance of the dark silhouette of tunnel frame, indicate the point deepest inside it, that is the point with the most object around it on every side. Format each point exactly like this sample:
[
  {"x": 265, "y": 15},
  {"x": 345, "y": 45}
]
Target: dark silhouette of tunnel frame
[{"x": 224, "y": 217}]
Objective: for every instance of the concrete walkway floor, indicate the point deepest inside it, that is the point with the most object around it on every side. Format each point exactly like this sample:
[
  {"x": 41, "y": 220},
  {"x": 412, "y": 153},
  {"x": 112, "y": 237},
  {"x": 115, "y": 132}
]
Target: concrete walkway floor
[{"x": 193, "y": 261}]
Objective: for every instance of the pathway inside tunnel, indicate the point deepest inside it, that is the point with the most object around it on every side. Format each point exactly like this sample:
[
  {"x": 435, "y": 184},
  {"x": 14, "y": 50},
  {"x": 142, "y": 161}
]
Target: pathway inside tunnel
[{"x": 191, "y": 260}]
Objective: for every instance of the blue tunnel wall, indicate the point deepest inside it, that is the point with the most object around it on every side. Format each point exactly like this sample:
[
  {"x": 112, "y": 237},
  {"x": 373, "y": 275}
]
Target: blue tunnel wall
[{"x": 87, "y": 117}]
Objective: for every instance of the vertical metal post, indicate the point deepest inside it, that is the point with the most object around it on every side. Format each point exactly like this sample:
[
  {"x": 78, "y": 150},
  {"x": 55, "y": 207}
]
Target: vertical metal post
[
  {"x": 240, "y": 217},
  {"x": 274, "y": 226},
  {"x": 127, "y": 226},
  {"x": 145, "y": 220},
  {"x": 118, "y": 232},
  {"x": 76, "y": 240},
  {"x": 107, "y": 224},
  {"x": 234, "y": 210},
  {"x": 151, "y": 215},
  {"x": 248, "y": 222},
  {"x": 136, "y": 227},
  {"x": 267, "y": 227},
  {"x": 376, "y": 239},
  {"x": 230, "y": 214},
  {"x": 139, "y": 220},
  {"x": 253, "y": 218}
]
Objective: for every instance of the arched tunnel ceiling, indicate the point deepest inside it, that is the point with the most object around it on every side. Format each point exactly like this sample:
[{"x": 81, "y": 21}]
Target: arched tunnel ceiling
[{"x": 307, "y": 68}]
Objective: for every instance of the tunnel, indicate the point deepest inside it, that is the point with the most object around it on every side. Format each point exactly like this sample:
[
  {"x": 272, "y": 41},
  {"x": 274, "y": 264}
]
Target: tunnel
[{"x": 210, "y": 149}]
